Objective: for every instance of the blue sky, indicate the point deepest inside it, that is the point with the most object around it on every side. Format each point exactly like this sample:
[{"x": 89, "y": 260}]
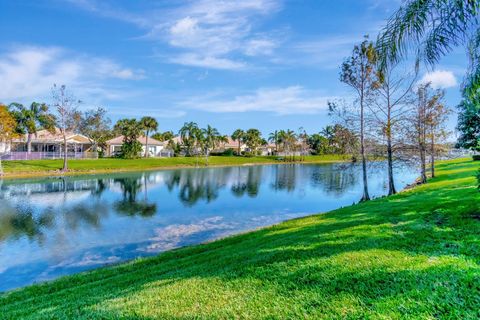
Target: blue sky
[{"x": 269, "y": 64}]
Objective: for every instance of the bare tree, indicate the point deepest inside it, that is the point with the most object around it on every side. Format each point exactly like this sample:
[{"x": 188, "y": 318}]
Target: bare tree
[
  {"x": 437, "y": 115},
  {"x": 358, "y": 72},
  {"x": 391, "y": 108},
  {"x": 427, "y": 118},
  {"x": 68, "y": 118}
]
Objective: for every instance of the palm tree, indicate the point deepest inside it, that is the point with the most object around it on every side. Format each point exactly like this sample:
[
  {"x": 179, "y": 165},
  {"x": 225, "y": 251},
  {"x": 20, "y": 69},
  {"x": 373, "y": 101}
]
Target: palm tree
[
  {"x": 290, "y": 139},
  {"x": 433, "y": 28},
  {"x": 253, "y": 138},
  {"x": 211, "y": 137},
  {"x": 238, "y": 135},
  {"x": 189, "y": 135},
  {"x": 149, "y": 124},
  {"x": 273, "y": 138},
  {"x": 30, "y": 120}
]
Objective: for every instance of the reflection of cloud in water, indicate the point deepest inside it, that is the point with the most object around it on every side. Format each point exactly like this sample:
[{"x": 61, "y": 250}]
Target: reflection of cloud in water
[
  {"x": 173, "y": 235},
  {"x": 87, "y": 259}
]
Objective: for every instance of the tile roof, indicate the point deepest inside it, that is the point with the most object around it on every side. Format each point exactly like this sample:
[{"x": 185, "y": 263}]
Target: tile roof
[{"x": 151, "y": 142}]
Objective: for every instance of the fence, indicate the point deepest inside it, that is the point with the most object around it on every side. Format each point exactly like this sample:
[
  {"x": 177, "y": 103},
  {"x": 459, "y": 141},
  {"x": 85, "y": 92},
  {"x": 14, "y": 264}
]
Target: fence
[{"x": 48, "y": 155}]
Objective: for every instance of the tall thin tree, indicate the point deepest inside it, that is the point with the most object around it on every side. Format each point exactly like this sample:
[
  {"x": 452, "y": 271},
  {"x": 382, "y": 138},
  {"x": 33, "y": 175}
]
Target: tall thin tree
[
  {"x": 68, "y": 118},
  {"x": 149, "y": 124},
  {"x": 358, "y": 72}
]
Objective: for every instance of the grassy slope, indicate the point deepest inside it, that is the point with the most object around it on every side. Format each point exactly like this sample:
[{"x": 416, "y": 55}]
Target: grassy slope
[
  {"x": 38, "y": 167},
  {"x": 413, "y": 255}
]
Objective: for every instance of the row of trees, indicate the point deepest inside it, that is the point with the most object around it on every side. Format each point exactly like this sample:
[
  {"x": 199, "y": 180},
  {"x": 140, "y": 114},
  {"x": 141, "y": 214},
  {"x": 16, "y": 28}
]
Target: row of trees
[
  {"x": 391, "y": 103},
  {"x": 393, "y": 114},
  {"x": 62, "y": 117}
]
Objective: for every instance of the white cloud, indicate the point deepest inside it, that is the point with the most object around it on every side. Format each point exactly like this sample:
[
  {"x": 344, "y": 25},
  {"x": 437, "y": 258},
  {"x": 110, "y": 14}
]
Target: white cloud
[
  {"x": 203, "y": 33},
  {"x": 440, "y": 79},
  {"x": 30, "y": 72},
  {"x": 207, "y": 31},
  {"x": 257, "y": 47},
  {"x": 283, "y": 101},
  {"x": 196, "y": 60}
]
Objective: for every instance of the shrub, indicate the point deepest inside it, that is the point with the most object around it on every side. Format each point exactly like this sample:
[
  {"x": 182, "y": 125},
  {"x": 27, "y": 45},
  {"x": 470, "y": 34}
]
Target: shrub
[
  {"x": 226, "y": 153},
  {"x": 476, "y": 157},
  {"x": 131, "y": 150}
]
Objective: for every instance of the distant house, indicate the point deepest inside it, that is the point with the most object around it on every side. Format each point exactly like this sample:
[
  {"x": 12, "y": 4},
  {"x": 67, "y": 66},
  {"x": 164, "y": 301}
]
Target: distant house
[
  {"x": 46, "y": 141},
  {"x": 232, "y": 144},
  {"x": 155, "y": 148}
]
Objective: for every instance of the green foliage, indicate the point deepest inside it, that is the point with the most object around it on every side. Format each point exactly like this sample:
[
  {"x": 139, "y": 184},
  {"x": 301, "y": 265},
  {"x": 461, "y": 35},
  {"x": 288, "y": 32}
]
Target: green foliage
[
  {"x": 253, "y": 139},
  {"x": 476, "y": 157},
  {"x": 49, "y": 167},
  {"x": 131, "y": 129},
  {"x": 30, "y": 120},
  {"x": 468, "y": 125},
  {"x": 163, "y": 136},
  {"x": 190, "y": 134},
  {"x": 431, "y": 27},
  {"x": 334, "y": 139},
  {"x": 415, "y": 255},
  {"x": 131, "y": 150},
  {"x": 96, "y": 126}
]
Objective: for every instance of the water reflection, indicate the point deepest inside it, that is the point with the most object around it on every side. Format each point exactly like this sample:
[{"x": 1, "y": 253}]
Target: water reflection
[
  {"x": 129, "y": 204},
  {"x": 50, "y": 227}
]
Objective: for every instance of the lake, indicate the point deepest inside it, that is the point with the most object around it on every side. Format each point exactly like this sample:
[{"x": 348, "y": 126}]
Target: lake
[{"x": 63, "y": 225}]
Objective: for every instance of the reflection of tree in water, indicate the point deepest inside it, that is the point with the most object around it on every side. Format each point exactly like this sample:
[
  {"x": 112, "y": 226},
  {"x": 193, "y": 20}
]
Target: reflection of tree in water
[
  {"x": 130, "y": 205},
  {"x": 20, "y": 221},
  {"x": 336, "y": 179},
  {"x": 196, "y": 185},
  {"x": 285, "y": 177},
  {"x": 248, "y": 183}
]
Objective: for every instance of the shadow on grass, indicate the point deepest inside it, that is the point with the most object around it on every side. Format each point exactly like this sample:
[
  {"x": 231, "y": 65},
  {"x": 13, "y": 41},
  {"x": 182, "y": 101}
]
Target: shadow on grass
[{"x": 411, "y": 255}]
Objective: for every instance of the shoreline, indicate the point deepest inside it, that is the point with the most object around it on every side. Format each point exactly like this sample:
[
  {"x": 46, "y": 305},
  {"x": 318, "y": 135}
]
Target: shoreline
[{"x": 59, "y": 173}]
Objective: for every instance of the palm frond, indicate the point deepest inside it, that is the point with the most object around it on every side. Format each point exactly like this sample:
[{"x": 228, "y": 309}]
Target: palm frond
[{"x": 431, "y": 27}]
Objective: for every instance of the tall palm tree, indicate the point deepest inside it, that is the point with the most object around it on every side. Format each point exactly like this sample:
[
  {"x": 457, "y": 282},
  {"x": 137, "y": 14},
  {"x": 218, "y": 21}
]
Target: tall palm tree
[
  {"x": 253, "y": 139},
  {"x": 30, "y": 120},
  {"x": 211, "y": 137},
  {"x": 149, "y": 124},
  {"x": 273, "y": 138},
  {"x": 189, "y": 135},
  {"x": 433, "y": 28},
  {"x": 238, "y": 135}
]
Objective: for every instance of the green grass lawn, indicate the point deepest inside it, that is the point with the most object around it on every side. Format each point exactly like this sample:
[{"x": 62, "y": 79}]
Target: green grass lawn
[
  {"x": 32, "y": 167},
  {"x": 415, "y": 255}
]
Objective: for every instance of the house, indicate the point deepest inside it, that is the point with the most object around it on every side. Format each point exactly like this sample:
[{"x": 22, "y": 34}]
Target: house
[
  {"x": 46, "y": 141},
  {"x": 231, "y": 144},
  {"x": 4, "y": 147},
  {"x": 155, "y": 148}
]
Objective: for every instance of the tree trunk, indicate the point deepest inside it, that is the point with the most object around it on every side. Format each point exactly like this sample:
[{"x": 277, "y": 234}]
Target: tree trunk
[
  {"x": 65, "y": 157},
  {"x": 423, "y": 170},
  {"x": 146, "y": 145},
  {"x": 29, "y": 142},
  {"x": 391, "y": 182},
  {"x": 238, "y": 153},
  {"x": 365, "y": 196},
  {"x": 432, "y": 155}
]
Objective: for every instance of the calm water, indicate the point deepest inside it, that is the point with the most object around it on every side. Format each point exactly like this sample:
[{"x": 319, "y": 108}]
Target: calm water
[{"x": 57, "y": 226}]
